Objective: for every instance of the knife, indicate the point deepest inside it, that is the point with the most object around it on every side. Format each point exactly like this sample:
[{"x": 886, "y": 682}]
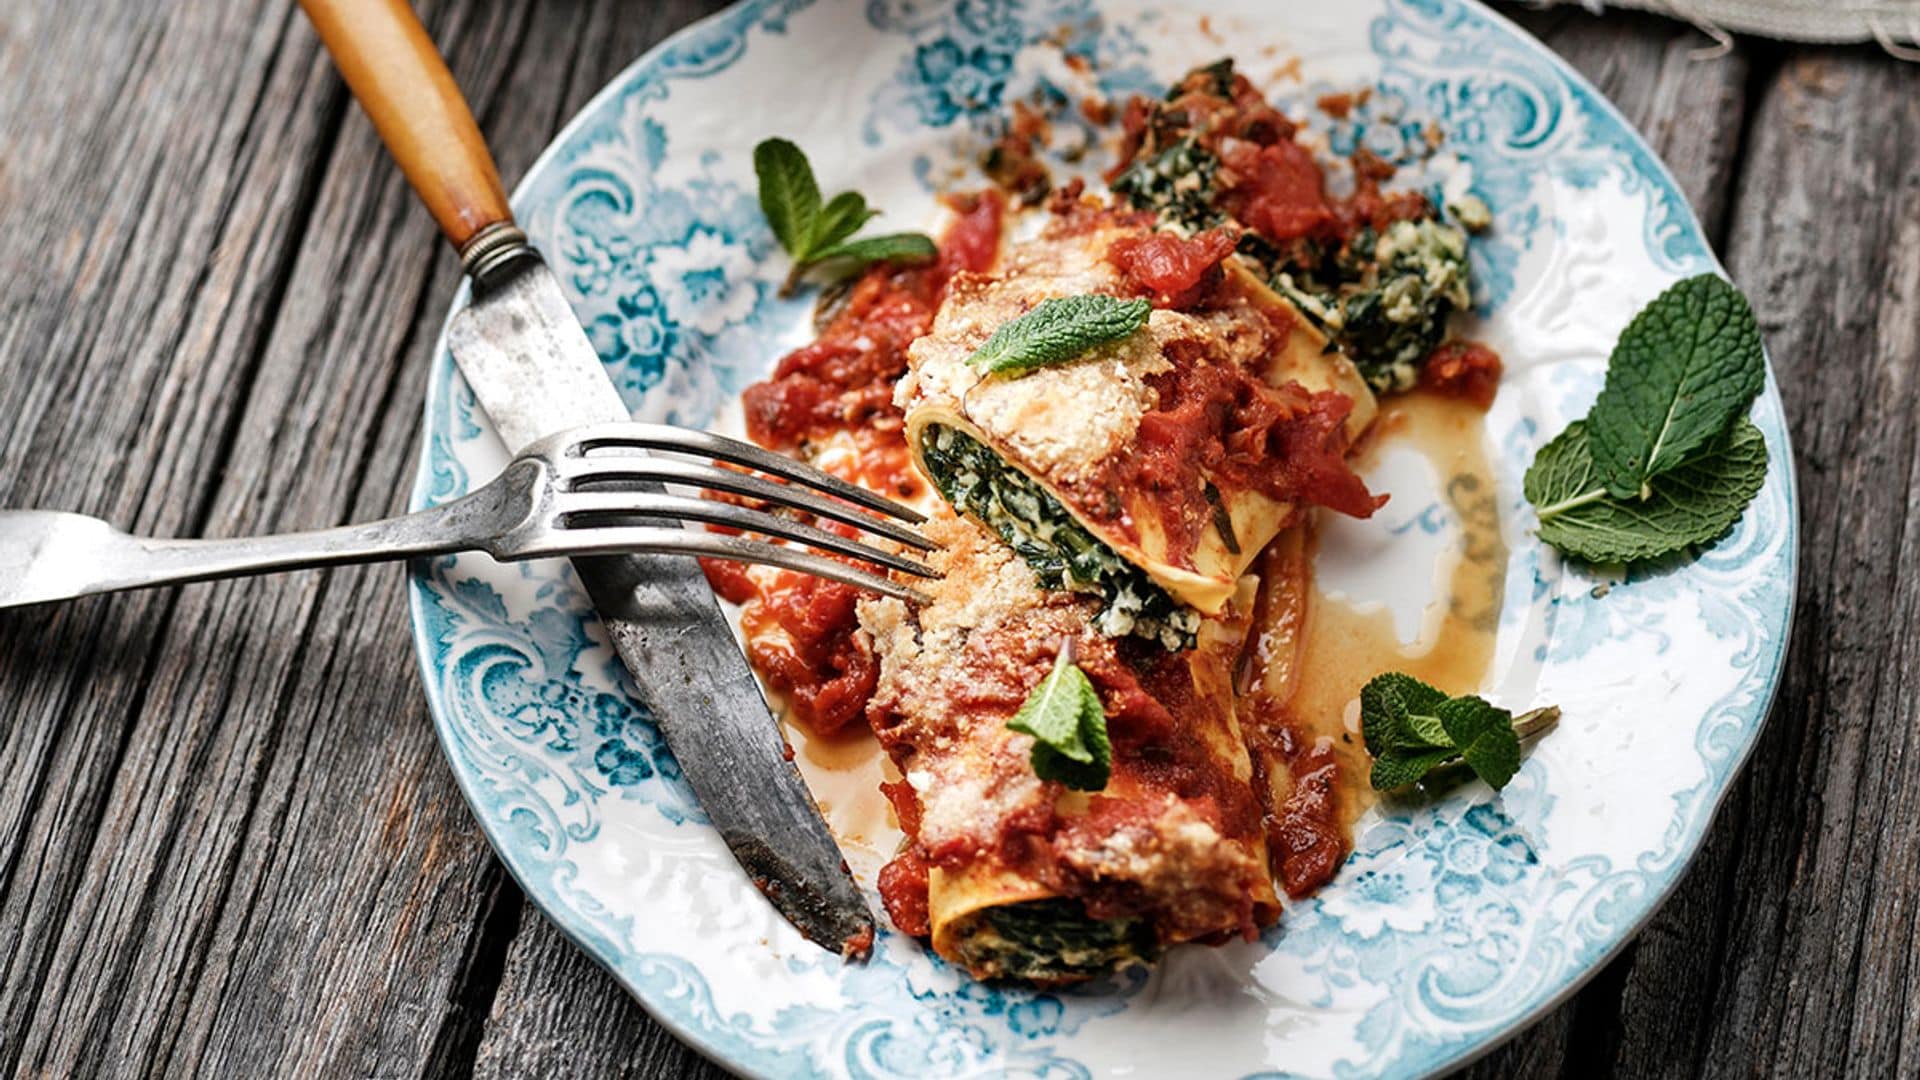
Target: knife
[{"x": 534, "y": 371}]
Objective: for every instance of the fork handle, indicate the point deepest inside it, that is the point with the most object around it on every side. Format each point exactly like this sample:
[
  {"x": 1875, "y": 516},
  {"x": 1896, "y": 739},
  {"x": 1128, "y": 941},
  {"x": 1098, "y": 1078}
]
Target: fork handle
[
  {"x": 392, "y": 67},
  {"x": 55, "y": 556}
]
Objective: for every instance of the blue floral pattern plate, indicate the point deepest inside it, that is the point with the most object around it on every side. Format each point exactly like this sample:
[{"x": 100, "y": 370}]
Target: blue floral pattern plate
[{"x": 1453, "y": 924}]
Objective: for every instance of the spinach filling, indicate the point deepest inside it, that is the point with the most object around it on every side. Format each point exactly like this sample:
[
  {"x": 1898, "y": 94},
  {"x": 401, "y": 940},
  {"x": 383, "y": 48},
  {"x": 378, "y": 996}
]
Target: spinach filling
[
  {"x": 1176, "y": 183},
  {"x": 1051, "y": 941},
  {"x": 1385, "y": 298},
  {"x": 1062, "y": 553}
]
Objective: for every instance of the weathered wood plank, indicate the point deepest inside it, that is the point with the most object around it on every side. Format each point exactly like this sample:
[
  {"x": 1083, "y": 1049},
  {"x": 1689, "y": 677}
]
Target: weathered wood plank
[
  {"x": 129, "y": 163},
  {"x": 1817, "y": 969},
  {"x": 275, "y": 874},
  {"x": 557, "y": 1014}
]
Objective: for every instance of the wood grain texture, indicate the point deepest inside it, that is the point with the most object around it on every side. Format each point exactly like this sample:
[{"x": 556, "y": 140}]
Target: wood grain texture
[
  {"x": 557, "y": 1014},
  {"x": 1817, "y": 952},
  {"x": 228, "y": 844},
  {"x": 244, "y": 856}
]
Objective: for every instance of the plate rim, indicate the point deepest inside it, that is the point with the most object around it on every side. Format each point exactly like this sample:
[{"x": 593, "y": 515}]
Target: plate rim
[{"x": 1655, "y": 899}]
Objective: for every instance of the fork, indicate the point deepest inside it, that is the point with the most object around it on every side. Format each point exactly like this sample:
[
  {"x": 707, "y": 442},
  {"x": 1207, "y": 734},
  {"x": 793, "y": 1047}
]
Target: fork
[{"x": 564, "y": 495}]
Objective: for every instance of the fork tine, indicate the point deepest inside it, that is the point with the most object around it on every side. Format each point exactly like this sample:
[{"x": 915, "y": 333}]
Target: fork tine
[
  {"x": 665, "y": 540},
  {"x": 706, "y": 444},
  {"x": 574, "y": 505},
  {"x": 581, "y": 471}
]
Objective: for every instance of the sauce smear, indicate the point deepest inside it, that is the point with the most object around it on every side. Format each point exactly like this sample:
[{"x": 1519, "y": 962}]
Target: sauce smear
[{"x": 1311, "y": 653}]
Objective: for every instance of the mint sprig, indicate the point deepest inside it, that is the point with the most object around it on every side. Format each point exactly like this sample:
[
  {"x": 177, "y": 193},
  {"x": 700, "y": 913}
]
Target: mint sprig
[
  {"x": 893, "y": 247},
  {"x": 1413, "y": 729},
  {"x": 1683, "y": 370},
  {"x": 1069, "y": 727},
  {"x": 1666, "y": 459},
  {"x": 817, "y": 234},
  {"x": 1059, "y": 330},
  {"x": 1693, "y": 503}
]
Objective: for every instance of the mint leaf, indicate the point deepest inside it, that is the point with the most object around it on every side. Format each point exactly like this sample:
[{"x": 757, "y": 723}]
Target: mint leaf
[
  {"x": 842, "y": 217},
  {"x": 814, "y": 234},
  {"x": 1411, "y": 729},
  {"x": 1089, "y": 775},
  {"x": 1051, "y": 713},
  {"x": 1485, "y": 737},
  {"x": 1394, "y": 770},
  {"x": 1059, "y": 330},
  {"x": 1069, "y": 728},
  {"x": 907, "y": 248},
  {"x": 1683, "y": 369},
  {"x": 1397, "y": 713},
  {"x": 1694, "y": 503},
  {"x": 789, "y": 195}
]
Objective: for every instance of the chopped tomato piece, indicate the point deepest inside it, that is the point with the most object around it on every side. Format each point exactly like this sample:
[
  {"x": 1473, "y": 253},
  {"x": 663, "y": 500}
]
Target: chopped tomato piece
[
  {"x": 1466, "y": 370},
  {"x": 1170, "y": 266},
  {"x": 903, "y": 890},
  {"x": 802, "y": 636},
  {"x": 730, "y": 580},
  {"x": 1278, "y": 190}
]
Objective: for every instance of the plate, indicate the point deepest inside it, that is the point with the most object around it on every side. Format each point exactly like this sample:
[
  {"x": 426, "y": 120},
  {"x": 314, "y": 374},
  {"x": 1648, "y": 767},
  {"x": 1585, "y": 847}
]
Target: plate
[{"x": 1455, "y": 922}]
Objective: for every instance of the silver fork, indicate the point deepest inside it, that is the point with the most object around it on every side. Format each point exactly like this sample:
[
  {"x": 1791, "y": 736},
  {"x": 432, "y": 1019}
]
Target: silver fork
[{"x": 561, "y": 496}]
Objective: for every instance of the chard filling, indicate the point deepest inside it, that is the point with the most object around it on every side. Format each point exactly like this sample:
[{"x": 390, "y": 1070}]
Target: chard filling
[
  {"x": 1050, "y": 941},
  {"x": 1062, "y": 553},
  {"x": 1385, "y": 298}
]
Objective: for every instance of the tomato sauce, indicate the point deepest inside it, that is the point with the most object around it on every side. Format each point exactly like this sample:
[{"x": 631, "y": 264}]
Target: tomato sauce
[
  {"x": 1176, "y": 270},
  {"x": 1268, "y": 182},
  {"x": 1144, "y": 689},
  {"x": 1198, "y": 107},
  {"x": 1217, "y": 420},
  {"x": 1466, "y": 370},
  {"x": 801, "y": 630},
  {"x": 903, "y": 892},
  {"x": 1306, "y": 829},
  {"x": 800, "y": 637},
  {"x": 1277, "y": 190}
]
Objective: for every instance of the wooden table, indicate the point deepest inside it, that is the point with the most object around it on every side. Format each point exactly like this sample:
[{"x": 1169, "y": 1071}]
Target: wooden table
[{"x": 228, "y": 842}]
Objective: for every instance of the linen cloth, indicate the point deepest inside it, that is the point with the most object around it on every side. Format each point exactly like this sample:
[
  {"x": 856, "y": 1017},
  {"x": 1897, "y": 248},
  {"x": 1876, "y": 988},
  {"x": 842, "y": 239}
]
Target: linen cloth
[{"x": 1894, "y": 24}]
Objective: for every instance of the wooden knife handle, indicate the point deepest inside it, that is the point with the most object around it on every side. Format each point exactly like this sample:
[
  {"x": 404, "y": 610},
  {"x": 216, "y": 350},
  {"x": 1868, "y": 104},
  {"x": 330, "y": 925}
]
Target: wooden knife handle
[{"x": 393, "y": 69}]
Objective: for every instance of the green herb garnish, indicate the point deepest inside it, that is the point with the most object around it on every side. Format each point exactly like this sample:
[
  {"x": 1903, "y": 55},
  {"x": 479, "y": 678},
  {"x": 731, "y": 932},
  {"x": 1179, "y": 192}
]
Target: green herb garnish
[
  {"x": 1690, "y": 504},
  {"x": 1683, "y": 371},
  {"x": 818, "y": 235},
  {"x": 1059, "y": 330},
  {"x": 1068, "y": 725},
  {"x": 1412, "y": 729},
  {"x": 1667, "y": 458}
]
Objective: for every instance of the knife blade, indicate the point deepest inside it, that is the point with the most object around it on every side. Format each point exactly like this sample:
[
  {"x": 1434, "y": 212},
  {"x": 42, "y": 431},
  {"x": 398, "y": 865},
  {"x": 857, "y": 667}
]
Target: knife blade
[{"x": 534, "y": 372}]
